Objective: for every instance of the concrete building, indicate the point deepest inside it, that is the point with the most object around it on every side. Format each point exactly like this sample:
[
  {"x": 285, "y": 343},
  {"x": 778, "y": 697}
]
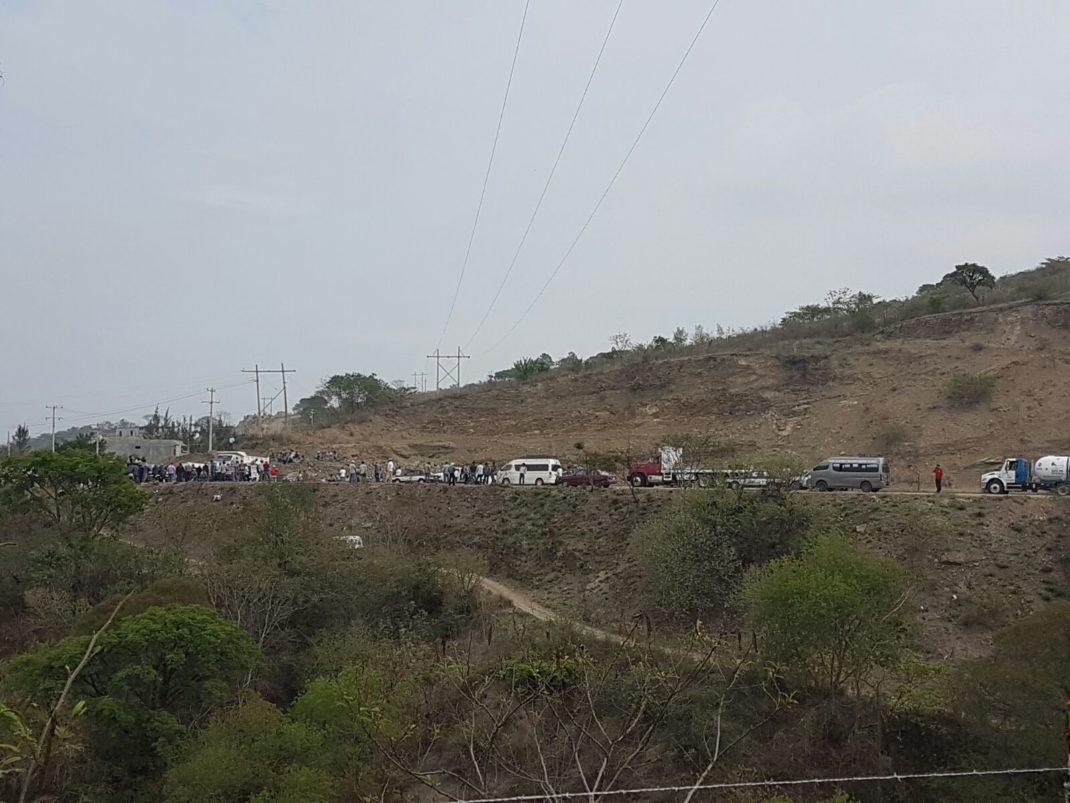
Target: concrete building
[{"x": 129, "y": 441}]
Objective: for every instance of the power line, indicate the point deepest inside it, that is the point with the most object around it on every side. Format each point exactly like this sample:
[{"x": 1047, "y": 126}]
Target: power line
[
  {"x": 486, "y": 177},
  {"x": 612, "y": 181},
  {"x": 444, "y": 372},
  {"x": 550, "y": 177},
  {"x": 906, "y": 776}
]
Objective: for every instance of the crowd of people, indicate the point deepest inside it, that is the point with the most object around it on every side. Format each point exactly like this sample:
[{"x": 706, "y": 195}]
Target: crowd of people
[
  {"x": 356, "y": 471},
  {"x": 141, "y": 471}
]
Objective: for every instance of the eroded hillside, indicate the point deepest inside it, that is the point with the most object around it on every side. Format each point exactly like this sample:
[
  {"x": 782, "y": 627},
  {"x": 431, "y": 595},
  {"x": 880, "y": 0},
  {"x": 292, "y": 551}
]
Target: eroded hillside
[{"x": 886, "y": 393}]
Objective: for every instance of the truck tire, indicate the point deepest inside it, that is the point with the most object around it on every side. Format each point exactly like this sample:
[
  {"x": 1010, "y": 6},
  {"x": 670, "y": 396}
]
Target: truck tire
[
  {"x": 734, "y": 485},
  {"x": 637, "y": 480},
  {"x": 866, "y": 486},
  {"x": 822, "y": 485},
  {"x": 703, "y": 480},
  {"x": 995, "y": 487},
  {"x": 1062, "y": 489}
]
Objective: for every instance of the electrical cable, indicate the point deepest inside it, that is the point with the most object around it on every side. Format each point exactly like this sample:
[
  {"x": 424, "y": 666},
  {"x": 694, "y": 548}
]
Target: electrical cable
[
  {"x": 549, "y": 178},
  {"x": 612, "y": 181},
  {"x": 486, "y": 177},
  {"x": 646, "y": 790}
]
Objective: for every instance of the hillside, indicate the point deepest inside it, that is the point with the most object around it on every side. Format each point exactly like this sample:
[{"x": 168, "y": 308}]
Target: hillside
[
  {"x": 881, "y": 393},
  {"x": 981, "y": 562}
]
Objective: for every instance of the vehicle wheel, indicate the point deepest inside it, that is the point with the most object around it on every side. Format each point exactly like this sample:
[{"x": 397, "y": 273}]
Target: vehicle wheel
[
  {"x": 866, "y": 486},
  {"x": 734, "y": 486},
  {"x": 505, "y": 481},
  {"x": 1062, "y": 489},
  {"x": 994, "y": 487},
  {"x": 794, "y": 485},
  {"x": 538, "y": 482},
  {"x": 822, "y": 485},
  {"x": 637, "y": 480},
  {"x": 703, "y": 481}
]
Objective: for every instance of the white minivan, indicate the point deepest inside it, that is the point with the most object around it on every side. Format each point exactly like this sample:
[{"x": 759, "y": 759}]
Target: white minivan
[{"x": 530, "y": 471}]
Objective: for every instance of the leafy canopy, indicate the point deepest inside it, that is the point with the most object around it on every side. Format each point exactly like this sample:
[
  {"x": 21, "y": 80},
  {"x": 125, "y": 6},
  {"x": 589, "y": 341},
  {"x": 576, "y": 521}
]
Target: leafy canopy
[
  {"x": 351, "y": 393},
  {"x": 833, "y": 614},
  {"x": 971, "y": 277},
  {"x": 80, "y": 493},
  {"x": 153, "y": 674}
]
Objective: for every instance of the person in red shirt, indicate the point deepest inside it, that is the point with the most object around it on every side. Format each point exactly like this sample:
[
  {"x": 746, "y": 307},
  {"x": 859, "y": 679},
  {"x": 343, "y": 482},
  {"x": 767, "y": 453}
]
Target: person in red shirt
[{"x": 938, "y": 475}]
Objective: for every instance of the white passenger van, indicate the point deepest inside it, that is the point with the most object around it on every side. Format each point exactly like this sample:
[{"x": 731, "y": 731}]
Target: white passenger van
[
  {"x": 841, "y": 473},
  {"x": 530, "y": 471}
]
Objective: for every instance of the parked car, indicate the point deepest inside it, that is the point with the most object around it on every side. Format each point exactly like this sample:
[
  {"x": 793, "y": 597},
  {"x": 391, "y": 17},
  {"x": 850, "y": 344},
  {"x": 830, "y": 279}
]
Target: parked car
[
  {"x": 579, "y": 476},
  {"x": 409, "y": 475}
]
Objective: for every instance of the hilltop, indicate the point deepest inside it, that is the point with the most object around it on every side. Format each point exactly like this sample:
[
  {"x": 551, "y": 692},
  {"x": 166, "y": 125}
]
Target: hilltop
[{"x": 797, "y": 401}]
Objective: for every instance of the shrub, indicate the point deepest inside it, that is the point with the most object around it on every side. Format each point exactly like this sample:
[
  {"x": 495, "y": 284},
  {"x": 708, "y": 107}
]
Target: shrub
[
  {"x": 692, "y": 558},
  {"x": 891, "y": 438},
  {"x": 804, "y": 368},
  {"x": 832, "y": 615},
  {"x": 967, "y": 390}
]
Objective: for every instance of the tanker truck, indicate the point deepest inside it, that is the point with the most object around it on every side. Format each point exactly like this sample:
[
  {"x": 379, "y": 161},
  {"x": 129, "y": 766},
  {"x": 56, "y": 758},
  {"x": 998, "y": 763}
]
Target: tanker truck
[{"x": 1051, "y": 473}]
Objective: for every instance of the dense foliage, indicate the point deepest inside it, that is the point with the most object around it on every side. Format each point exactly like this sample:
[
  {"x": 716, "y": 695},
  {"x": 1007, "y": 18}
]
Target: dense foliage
[{"x": 282, "y": 665}]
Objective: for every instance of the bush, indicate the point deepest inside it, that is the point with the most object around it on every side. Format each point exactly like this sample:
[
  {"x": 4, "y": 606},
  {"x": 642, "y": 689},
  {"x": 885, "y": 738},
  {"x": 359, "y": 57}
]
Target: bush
[
  {"x": 804, "y": 368},
  {"x": 967, "y": 390},
  {"x": 692, "y": 558},
  {"x": 891, "y": 438},
  {"x": 831, "y": 616}
]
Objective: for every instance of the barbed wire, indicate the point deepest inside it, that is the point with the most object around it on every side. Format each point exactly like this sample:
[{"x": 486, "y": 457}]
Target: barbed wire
[{"x": 899, "y": 776}]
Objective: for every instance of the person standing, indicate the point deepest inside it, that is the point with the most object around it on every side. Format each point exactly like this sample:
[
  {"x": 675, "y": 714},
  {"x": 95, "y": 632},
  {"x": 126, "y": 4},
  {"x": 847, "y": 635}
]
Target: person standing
[
  {"x": 352, "y": 471},
  {"x": 363, "y": 471},
  {"x": 938, "y": 475},
  {"x": 390, "y": 468},
  {"x": 523, "y": 473}
]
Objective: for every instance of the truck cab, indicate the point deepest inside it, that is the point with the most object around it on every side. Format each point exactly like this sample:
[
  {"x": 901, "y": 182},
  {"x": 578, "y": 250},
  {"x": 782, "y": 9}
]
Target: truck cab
[{"x": 1016, "y": 474}]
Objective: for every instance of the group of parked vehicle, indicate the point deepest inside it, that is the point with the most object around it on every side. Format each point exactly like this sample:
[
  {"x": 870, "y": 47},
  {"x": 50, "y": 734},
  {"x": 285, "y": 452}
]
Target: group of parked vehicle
[{"x": 832, "y": 474}]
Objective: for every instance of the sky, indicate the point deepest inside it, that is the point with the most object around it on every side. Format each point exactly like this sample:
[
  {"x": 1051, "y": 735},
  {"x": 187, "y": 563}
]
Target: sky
[{"x": 192, "y": 187}]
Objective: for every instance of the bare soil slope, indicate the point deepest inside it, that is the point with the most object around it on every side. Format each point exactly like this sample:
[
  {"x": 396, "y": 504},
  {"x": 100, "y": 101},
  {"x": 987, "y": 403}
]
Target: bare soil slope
[{"x": 845, "y": 397}]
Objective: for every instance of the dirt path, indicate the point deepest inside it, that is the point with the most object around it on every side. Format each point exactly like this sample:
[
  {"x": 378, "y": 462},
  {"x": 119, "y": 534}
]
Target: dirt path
[{"x": 525, "y": 604}]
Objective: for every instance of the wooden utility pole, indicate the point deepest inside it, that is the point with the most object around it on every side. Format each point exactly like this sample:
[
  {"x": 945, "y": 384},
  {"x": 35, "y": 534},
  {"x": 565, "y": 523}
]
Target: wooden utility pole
[
  {"x": 53, "y": 408},
  {"x": 211, "y": 417},
  {"x": 259, "y": 412},
  {"x": 282, "y": 369}
]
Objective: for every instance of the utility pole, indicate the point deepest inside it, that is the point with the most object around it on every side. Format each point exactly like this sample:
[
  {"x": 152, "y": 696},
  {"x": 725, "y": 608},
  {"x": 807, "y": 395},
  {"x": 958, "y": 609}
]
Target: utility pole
[
  {"x": 256, "y": 370},
  {"x": 419, "y": 381},
  {"x": 445, "y": 371},
  {"x": 282, "y": 369},
  {"x": 211, "y": 418},
  {"x": 53, "y": 408}
]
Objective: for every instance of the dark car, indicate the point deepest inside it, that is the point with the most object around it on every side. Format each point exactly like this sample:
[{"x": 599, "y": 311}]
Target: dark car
[{"x": 579, "y": 476}]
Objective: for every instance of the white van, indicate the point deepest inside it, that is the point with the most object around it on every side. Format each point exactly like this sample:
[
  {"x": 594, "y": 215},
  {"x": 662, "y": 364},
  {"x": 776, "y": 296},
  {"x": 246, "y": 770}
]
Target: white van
[{"x": 530, "y": 471}]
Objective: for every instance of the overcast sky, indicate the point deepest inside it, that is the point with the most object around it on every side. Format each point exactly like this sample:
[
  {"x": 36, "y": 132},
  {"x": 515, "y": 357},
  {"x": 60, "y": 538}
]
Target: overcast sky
[{"x": 191, "y": 187}]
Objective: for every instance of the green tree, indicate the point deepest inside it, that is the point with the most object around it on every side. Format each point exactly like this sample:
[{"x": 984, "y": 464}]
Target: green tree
[
  {"x": 530, "y": 367},
  {"x": 253, "y": 752},
  {"x": 85, "y": 441},
  {"x": 81, "y": 494},
  {"x": 314, "y": 403},
  {"x": 21, "y": 442},
  {"x": 971, "y": 277},
  {"x": 351, "y": 393},
  {"x": 692, "y": 558},
  {"x": 152, "y": 675},
  {"x": 833, "y": 615},
  {"x": 1017, "y": 697}
]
